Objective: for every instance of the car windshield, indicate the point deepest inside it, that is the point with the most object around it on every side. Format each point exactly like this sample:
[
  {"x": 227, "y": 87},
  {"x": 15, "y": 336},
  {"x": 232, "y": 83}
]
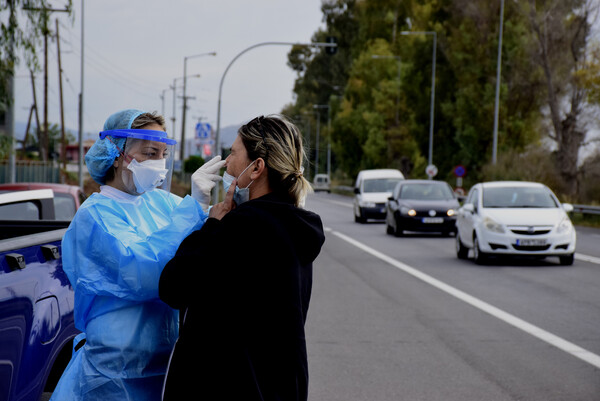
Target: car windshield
[
  {"x": 380, "y": 185},
  {"x": 518, "y": 197},
  {"x": 427, "y": 191}
]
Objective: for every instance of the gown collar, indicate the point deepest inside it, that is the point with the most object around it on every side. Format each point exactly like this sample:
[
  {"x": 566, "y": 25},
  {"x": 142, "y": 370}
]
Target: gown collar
[{"x": 118, "y": 195}]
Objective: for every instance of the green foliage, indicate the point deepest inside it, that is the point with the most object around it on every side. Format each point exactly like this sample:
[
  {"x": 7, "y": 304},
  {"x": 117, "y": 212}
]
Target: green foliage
[
  {"x": 382, "y": 117},
  {"x": 5, "y": 145},
  {"x": 192, "y": 163},
  {"x": 18, "y": 34}
]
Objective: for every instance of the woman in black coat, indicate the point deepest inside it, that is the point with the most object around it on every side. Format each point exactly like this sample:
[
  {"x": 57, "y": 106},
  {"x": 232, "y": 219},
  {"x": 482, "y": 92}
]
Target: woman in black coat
[{"x": 244, "y": 280}]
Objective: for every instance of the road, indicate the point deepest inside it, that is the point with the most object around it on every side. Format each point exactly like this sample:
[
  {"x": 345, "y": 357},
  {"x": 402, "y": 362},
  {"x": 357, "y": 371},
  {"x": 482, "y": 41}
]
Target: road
[{"x": 404, "y": 319}]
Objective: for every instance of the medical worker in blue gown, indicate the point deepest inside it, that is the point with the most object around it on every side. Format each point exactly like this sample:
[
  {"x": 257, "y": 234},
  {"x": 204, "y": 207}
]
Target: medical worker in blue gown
[{"x": 114, "y": 252}]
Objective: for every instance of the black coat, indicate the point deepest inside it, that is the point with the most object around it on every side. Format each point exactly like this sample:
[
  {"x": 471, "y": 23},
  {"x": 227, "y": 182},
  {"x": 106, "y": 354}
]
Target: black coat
[{"x": 246, "y": 282}]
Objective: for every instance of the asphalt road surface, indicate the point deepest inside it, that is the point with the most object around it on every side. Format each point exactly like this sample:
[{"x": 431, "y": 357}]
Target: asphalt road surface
[{"x": 404, "y": 319}]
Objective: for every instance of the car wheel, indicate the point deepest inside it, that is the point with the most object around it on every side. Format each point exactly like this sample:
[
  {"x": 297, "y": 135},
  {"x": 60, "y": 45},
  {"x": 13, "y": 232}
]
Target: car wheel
[
  {"x": 359, "y": 219},
  {"x": 566, "y": 260},
  {"x": 480, "y": 257},
  {"x": 398, "y": 230},
  {"x": 462, "y": 252}
]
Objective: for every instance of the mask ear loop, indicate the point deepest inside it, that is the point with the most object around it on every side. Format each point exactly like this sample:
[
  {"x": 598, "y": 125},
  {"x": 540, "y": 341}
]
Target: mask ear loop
[{"x": 127, "y": 157}]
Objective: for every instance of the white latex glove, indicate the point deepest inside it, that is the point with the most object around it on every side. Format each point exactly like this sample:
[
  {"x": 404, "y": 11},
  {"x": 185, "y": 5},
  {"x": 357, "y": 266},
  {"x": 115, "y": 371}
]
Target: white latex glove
[{"x": 204, "y": 180}]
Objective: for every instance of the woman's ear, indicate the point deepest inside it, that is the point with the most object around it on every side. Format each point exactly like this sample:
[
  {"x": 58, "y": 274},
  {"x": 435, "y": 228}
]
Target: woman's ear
[{"x": 259, "y": 168}]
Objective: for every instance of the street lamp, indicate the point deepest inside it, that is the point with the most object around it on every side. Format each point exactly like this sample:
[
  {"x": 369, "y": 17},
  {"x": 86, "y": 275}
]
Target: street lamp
[
  {"x": 497, "y": 101},
  {"x": 218, "y": 131},
  {"x": 185, "y": 59},
  {"x": 397, "y": 58},
  {"x": 431, "y": 110},
  {"x": 317, "y": 107}
]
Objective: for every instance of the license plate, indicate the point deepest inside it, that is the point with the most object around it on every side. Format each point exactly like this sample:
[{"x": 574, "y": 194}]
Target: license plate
[
  {"x": 433, "y": 220},
  {"x": 531, "y": 242}
]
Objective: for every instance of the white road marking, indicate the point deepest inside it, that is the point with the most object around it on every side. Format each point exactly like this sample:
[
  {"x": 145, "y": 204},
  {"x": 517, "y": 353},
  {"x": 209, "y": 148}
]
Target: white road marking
[
  {"x": 529, "y": 328},
  {"x": 587, "y": 258},
  {"x": 338, "y": 202}
]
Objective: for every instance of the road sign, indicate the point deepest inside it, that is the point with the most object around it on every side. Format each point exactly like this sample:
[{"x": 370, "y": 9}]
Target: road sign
[
  {"x": 460, "y": 171},
  {"x": 431, "y": 171},
  {"x": 203, "y": 130}
]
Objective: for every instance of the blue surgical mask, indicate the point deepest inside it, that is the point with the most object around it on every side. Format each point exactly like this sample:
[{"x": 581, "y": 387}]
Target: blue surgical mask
[{"x": 240, "y": 195}]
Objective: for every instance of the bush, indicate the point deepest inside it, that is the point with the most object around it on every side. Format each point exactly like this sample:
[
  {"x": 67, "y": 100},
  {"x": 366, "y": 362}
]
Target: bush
[{"x": 192, "y": 164}]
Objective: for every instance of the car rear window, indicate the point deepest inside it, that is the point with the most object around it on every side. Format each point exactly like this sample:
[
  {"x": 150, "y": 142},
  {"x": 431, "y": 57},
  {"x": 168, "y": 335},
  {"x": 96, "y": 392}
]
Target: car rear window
[
  {"x": 19, "y": 211},
  {"x": 64, "y": 206}
]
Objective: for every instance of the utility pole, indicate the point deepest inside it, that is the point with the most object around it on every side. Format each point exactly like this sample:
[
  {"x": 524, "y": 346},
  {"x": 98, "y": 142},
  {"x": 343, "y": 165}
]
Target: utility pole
[
  {"x": 185, "y": 98},
  {"x": 63, "y": 148},
  {"x": 35, "y": 105},
  {"x": 80, "y": 135}
]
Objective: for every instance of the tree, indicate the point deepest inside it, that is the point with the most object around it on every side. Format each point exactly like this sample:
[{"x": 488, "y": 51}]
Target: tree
[
  {"x": 562, "y": 32},
  {"x": 14, "y": 35}
]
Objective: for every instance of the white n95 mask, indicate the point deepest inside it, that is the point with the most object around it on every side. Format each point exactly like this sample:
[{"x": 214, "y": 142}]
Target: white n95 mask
[{"x": 148, "y": 174}]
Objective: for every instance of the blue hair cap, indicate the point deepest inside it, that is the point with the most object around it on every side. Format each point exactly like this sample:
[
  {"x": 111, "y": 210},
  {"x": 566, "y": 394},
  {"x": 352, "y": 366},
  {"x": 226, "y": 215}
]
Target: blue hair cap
[{"x": 104, "y": 151}]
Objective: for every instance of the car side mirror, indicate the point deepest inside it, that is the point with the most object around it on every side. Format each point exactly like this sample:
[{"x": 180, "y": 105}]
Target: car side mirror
[
  {"x": 469, "y": 207},
  {"x": 356, "y": 190},
  {"x": 567, "y": 207}
]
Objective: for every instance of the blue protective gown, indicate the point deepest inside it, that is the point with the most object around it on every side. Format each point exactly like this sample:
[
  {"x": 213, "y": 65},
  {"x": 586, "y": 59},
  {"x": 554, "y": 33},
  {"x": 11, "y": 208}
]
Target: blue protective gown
[{"x": 113, "y": 253}]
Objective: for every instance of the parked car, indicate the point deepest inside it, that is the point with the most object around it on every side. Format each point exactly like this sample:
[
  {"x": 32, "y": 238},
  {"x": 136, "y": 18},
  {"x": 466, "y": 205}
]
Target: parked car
[
  {"x": 421, "y": 205},
  {"x": 67, "y": 198},
  {"x": 514, "y": 218},
  {"x": 36, "y": 298},
  {"x": 321, "y": 182},
  {"x": 372, "y": 190}
]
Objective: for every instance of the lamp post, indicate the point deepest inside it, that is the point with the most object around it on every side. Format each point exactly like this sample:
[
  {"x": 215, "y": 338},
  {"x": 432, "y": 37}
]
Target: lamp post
[
  {"x": 218, "y": 130},
  {"x": 185, "y": 59},
  {"x": 317, "y": 107},
  {"x": 497, "y": 101},
  {"x": 397, "y": 58},
  {"x": 431, "y": 110}
]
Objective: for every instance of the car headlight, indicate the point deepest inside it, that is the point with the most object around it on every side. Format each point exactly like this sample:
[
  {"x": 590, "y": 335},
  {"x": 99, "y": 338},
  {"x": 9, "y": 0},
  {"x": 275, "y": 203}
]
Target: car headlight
[
  {"x": 367, "y": 204},
  {"x": 451, "y": 212},
  {"x": 492, "y": 225},
  {"x": 410, "y": 212},
  {"x": 564, "y": 226}
]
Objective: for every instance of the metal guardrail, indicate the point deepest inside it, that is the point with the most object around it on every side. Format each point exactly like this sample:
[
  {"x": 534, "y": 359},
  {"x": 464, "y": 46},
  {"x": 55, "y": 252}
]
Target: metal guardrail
[{"x": 585, "y": 209}]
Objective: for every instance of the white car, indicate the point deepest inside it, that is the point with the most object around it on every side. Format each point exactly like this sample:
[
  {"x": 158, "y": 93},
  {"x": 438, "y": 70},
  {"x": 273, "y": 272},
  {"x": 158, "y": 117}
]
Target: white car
[
  {"x": 514, "y": 218},
  {"x": 372, "y": 190}
]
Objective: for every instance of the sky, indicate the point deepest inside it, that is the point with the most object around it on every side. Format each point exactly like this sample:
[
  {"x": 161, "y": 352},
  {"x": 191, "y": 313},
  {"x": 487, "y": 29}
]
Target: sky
[{"x": 134, "y": 50}]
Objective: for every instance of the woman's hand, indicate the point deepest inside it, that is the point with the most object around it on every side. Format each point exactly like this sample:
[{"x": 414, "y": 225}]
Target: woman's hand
[{"x": 222, "y": 208}]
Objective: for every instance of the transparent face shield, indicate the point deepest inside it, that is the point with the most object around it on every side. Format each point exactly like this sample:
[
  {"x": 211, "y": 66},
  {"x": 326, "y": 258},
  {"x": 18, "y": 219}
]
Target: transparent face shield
[
  {"x": 148, "y": 157},
  {"x": 149, "y": 163}
]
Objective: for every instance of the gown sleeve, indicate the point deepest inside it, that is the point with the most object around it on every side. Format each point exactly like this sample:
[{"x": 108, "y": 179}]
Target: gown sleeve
[{"x": 105, "y": 254}]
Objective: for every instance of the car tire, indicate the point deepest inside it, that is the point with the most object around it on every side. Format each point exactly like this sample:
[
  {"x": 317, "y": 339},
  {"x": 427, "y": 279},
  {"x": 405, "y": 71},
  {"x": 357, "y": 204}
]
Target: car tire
[
  {"x": 462, "y": 252},
  {"x": 398, "y": 232},
  {"x": 359, "y": 219},
  {"x": 566, "y": 260},
  {"x": 479, "y": 257}
]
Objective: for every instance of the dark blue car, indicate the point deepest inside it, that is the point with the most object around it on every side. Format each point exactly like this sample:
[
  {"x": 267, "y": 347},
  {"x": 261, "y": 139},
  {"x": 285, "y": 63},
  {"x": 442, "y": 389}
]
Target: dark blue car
[{"x": 36, "y": 299}]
